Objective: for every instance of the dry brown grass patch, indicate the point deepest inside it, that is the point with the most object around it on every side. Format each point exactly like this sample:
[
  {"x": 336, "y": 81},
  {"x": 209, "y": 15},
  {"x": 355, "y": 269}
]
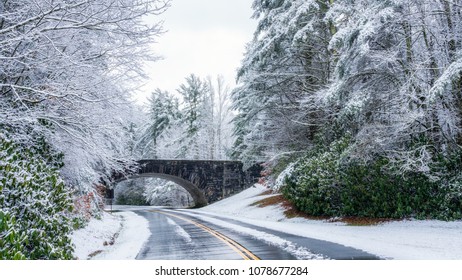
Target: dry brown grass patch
[
  {"x": 290, "y": 211},
  {"x": 272, "y": 200},
  {"x": 361, "y": 221}
]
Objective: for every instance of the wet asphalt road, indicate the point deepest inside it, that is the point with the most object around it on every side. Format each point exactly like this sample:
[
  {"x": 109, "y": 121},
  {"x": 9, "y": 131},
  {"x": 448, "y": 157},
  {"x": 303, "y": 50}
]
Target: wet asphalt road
[{"x": 185, "y": 235}]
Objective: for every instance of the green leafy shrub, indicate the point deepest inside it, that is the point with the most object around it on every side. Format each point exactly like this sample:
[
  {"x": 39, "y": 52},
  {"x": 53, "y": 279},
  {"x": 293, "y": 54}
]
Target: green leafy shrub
[
  {"x": 374, "y": 191},
  {"x": 35, "y": 207},
  {"x": 11, "y": 241},
  {"x": 313, "y": 186},
  {"x": 327, "y": 183}
]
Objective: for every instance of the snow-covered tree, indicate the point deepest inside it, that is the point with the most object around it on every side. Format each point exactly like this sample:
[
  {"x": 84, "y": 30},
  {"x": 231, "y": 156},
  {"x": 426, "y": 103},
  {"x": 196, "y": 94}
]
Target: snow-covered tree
[
  {"x": 163, "y": 114},
  {"x": 198, "y": 127},
  {"x": 397, "y": 81},
  {"x": 386, "y": 72},
  {"x": 130, "y": 192},
  {"x": 164, "y": 193},
  {"x": 220, "y": 125},
  {"x": 66, "y": 70},
  {"x": 287, "y": 62},
  {"x": 194, "y": 92}
]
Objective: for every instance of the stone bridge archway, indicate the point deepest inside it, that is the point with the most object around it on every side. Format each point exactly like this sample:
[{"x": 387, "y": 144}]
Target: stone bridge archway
[{"x": 206, "y": 180}]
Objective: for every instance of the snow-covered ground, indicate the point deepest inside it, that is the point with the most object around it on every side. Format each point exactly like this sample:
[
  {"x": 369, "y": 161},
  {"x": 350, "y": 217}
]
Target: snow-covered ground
[
  {"x": 117, "y": 236},
  {"x": 417, "y": 240}
]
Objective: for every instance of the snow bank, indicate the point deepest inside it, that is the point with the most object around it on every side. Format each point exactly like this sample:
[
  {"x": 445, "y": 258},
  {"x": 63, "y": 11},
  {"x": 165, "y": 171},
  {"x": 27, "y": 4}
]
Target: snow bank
[
  {"x": 428, "y": 240},
  {"x": 115, "y": 237},
  {"x": 91, "y": 239},
  {"x": 239, "y": 205},
  {"x": 135, "y": 232}
]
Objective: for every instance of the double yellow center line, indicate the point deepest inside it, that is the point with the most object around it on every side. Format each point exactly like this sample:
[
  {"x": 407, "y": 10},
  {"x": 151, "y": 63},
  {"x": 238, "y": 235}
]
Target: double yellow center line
[{"x": 238, "y": 248}]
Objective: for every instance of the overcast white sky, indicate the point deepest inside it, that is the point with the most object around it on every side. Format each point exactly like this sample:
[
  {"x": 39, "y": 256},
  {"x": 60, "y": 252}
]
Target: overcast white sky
[{"x": 204, "y": 37}]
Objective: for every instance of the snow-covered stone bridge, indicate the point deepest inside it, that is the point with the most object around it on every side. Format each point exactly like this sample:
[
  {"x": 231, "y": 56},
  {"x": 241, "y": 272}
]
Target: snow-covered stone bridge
[{"x": 206, "y": 180}]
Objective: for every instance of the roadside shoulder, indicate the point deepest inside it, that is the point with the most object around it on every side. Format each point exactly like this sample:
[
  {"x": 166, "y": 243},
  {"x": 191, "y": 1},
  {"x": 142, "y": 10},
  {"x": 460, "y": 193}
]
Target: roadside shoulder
[{"x": 119, "y": 236}]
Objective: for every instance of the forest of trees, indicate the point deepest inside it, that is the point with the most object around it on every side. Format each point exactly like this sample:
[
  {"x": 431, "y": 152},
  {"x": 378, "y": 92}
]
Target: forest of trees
[
  {"x": 357, "y": 104},
  {"x": 193, "y": 123}
]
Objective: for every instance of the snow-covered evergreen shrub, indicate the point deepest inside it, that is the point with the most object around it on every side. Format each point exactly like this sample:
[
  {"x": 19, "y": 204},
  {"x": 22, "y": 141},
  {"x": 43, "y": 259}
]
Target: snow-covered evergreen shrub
[
  {"x": 313, "y": 184},
  {"x": 35, "y": 207},
  {"x": 11, "y": 241},
  {"x": 374, "y": 191},
  {"x": 451, "y": 184},
  {"x": 328, "y": 183},
  {"x": 453, "y": 198},
  {"x": 281, "y": 178}
]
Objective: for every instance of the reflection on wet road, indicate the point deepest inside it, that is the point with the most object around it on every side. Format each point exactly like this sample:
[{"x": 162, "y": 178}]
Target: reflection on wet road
[{"x": 185, "y": 235}]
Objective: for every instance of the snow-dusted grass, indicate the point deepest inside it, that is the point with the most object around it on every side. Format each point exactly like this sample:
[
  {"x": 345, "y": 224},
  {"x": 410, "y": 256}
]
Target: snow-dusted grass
[
  {"x": 411, "y": 239},
  {"x": 119, "y": 236}
]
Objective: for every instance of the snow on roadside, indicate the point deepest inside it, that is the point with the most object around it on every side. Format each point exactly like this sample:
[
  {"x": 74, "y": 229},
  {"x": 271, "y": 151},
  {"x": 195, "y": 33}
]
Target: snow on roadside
[
  {"x": 91, "y": 239},
  {"x": 239, "y": 205},
  {"x": 412, "y": 239},
  {"x": 119, "y": 236},
  {"x": 135, "y": 232}
]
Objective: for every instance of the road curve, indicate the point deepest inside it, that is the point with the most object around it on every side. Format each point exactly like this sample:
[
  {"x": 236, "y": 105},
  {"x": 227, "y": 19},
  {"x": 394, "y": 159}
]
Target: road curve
[{"x": 187, "y": 235}]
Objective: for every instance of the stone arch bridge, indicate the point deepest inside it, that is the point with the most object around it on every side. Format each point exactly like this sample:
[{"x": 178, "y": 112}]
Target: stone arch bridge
[{"x": 206, "y": 180}]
